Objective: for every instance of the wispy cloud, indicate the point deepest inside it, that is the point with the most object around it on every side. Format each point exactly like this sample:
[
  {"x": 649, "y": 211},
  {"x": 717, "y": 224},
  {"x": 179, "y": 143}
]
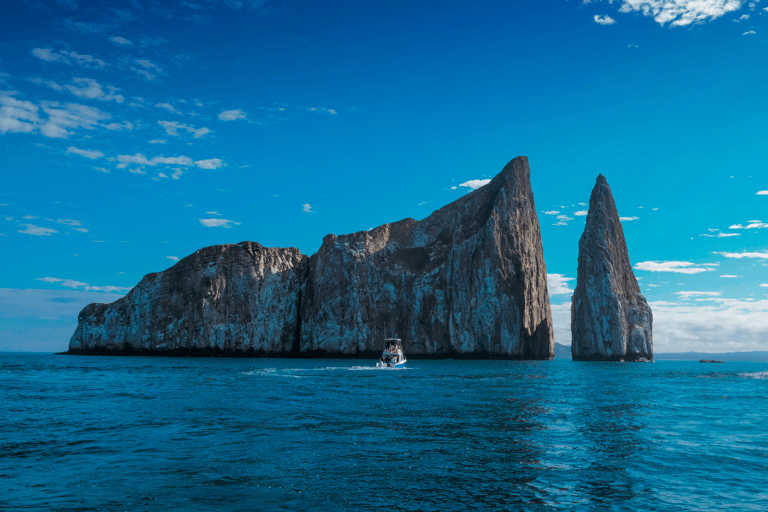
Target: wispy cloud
[
  {"x": 740, "y": 255},
  {"x": 232, "y": 115},
  {"x": 173, "y": 127},
  {"x": 679, "y": 267},
  {"x": 551, "y": 212},
  {"x": 91, "y": 89},
  {"x": 749, "y": 33},
  {"x": 31, "y": 229},
  {"x": 140, "y": 159},
  {"x": 218, "y": 223},
  {"x": 174, "y": 258},
  {"x": 93, "y": 154},
  {"x": 71, "y": 283},
  {"x": 581, "y": 213},
  {"x": 562, "y": 220},
  {"x": 121, "y": 41},
  {"x": 307, "y": 208},
  {"x": 19, "y": 116},
  {"x": 157, "y": 141},
  {"x": 688, "y": 295},
  {"x": 147, "y": 69},
  {"x": 65, "y": 57},
  {"x": 752, "y": 224},
  {"x": 168, "y": 107},
  {"x": 475, "y": 184},
  {"x": 627, "y": 219}
]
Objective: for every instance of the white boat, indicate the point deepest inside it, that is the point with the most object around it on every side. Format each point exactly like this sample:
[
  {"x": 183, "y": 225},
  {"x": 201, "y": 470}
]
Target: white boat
[{"x": 393, "y": 356}]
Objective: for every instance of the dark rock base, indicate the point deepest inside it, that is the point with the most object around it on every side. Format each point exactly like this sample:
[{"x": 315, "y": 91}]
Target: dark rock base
[{"x": 216, "y": 352}]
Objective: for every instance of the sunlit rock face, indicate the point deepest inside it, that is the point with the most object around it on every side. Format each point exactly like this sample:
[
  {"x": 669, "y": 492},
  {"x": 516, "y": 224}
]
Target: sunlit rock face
[
  {"x": 467, "y": 281},
  {"x": 610, "y": 319}
]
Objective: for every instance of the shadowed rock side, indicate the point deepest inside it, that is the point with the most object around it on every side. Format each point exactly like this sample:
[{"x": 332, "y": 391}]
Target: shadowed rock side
[
  {"x": 468, "y": 281},
  {"x": 610, "y": 319},
  {"x": 241, "y": 297}
]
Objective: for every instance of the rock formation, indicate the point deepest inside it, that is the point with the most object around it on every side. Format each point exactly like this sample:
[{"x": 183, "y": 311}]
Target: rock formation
[
  {"x": 610, "y": 319},
  {"x": 467, "y": 281}
]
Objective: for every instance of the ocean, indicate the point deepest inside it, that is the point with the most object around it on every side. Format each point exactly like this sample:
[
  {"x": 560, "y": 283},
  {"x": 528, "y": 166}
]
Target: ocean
[{"x": 82, "y": 433}]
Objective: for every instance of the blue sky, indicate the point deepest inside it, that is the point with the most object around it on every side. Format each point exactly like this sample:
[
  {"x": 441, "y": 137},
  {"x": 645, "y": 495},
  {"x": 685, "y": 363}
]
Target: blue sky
[{"x": 135, "y": 132}]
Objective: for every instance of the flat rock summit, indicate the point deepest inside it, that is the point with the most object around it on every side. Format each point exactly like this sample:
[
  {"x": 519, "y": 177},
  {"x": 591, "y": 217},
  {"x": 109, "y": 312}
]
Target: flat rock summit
[
  {"x": 469, "y": 281},
  {"x": 610, "y": 319}
]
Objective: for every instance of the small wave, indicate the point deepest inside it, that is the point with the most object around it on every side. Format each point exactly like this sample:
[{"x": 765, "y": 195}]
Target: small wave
[{"x": 754, "y": 375}]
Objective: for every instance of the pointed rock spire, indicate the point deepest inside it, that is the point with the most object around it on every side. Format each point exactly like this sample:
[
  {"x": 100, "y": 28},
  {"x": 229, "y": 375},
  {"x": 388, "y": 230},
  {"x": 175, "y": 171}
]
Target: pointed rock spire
[{"x": 610, "y": 319}]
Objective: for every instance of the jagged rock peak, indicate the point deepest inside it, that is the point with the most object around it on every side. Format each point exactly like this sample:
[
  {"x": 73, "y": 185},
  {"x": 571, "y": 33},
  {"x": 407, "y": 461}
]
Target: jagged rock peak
[{"x": 610, "y": 318}]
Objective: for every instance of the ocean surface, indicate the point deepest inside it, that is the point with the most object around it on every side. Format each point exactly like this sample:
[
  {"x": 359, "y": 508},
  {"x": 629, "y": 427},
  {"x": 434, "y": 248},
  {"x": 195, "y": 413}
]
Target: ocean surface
[{"x": 81, "y": 433}]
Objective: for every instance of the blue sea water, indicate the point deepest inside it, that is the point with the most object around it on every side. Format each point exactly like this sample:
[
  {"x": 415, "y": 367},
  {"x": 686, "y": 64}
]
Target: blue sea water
[{"x": 85, "y": 433}]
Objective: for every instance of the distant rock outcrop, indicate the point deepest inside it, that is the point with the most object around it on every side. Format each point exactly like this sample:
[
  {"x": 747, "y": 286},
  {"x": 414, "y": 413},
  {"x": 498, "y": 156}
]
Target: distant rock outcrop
[
  {"x": 610, "y": 319},
  {"x": 467, "y": 281}
]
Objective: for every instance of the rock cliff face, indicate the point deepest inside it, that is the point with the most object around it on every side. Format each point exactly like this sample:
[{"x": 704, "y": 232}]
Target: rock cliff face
[
  {"x": 467, "y": 281},
  {"x": 241, "y": 297},
  {"x": 610, "y": 319}
]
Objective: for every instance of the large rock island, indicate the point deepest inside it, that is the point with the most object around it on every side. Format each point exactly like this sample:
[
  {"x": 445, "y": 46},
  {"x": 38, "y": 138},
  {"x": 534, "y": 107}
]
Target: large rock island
[
  {"x": 610, "y": 319},
  {"x": 468, "y": 281}
]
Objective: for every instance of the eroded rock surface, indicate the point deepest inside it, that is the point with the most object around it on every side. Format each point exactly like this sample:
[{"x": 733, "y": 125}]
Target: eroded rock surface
[
  {"x": 467, "y": 281},
  {"x": 610, "y": 319},
  {"x": 241, "y": 297}
]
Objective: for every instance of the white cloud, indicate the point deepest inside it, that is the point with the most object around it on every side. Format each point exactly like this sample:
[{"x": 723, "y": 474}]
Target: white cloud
[
  {"x": 213, "y": 213},
  {"x": 604, "y": 20},
  {"x": 475, "y": 184},
  {"x": 730, "y": 276},
  {"x": 680, "y": 267},
  {"x": 172, "y": 128},
  {"x": 147, "y": 69},
  {"x": 623, "y": 219},
  {"x": 307, "y": 208},
  {"x": 323, "y": 110},
  {"x": 742, "y": 17},
  {"x": 581, "y": 213},
  {"x": 582, "y": 204},
  {"x": 762, "y": 192},
  {"x": 118, "y": 126},
  {"x": 739, "y": 255},
  {"x": 562, "y": 220},
  {"x": 31, "y": 229},
  {"x": 764, "y": 285},
  {"x": 557, "y": 284},
  {"x": 121, "y": 41},
  {"x": 551, "y": 212},
  {"x": 680, "y": 13},
  {"x": 749, "y": 32},
  {"x": 101, "y": 169},
  {"x": 688, "y": 295},
  {"x": 71, "y": 283},
  {"x": 93, "y": 154},
  {"x": 157, "y": 141},
  {"x": 174, "y": 258},
  {"x": 218, "y": 223},
  {"x": 168, "y": 107},
  {"x": 140, "y": 159},
  {"x": 752, "y": 224},
  {"x": 65, "y": 57},
  {"x": 137, "y": 171},
  {"x": 231, "y": 115},
  {"x": 211, "y": 163}
]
